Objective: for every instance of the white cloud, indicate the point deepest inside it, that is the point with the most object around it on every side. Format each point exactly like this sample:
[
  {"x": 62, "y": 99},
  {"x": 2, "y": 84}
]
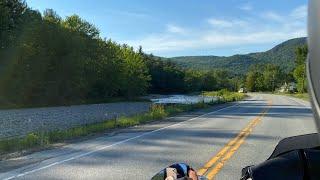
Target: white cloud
[
  {"x": 175, "y": 29},
  {"x": 246, "y": 7},
  {"x": 219, "y": 22},
  {"x": 273, "y": 16},
  {"x": 164, "y": 43},
  {"x": 300, "y": 12},
  {"x": 214, "y": 39},
  {"x": 247, "y": 38},
  {"x": 128, "y": 13},
  {"x": 226, "y": 33}
]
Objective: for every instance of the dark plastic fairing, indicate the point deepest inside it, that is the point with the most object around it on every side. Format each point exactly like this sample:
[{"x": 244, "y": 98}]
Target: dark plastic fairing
[{"x": 294, "y": 158}]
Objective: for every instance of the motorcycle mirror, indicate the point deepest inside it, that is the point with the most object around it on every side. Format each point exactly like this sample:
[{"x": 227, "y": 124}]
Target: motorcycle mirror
[
  {"x": 179, "y": 171},
  {"x": 313, "y": 62}
]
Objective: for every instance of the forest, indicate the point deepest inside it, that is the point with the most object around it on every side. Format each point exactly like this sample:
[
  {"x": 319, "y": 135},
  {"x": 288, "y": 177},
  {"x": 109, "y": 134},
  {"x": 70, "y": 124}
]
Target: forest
[
  {"x": 49, "y": 60},
  {"x": 282, "y": 55},
  {"x": 269, "y": 77}
]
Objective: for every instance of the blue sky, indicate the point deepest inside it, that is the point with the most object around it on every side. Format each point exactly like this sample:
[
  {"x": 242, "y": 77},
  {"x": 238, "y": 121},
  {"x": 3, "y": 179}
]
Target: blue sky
[{"x": 190, "y": 27}]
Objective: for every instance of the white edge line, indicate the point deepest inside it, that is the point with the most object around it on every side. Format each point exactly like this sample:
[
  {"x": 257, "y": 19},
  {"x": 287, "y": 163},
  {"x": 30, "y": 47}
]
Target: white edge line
[
  {"x": 305, "y": 105},
  {"x": 114, "y": 144}
]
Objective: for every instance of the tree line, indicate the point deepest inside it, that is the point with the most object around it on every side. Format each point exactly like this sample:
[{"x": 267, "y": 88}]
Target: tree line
[
  {"x": 269, "y": 77},
  {"x": 167, "y": 77},
  {"x": 49, "y": 60}
]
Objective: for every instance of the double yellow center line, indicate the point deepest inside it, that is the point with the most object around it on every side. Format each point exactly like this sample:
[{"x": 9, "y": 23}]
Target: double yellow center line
[{"x": 215, "y": 164}]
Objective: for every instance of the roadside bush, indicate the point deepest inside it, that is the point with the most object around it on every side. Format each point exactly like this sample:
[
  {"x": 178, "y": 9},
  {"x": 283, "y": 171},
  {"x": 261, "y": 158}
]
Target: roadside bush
[
  {"x": 29, "y": 141},
  {"x": 8, "y": 145},
  {"x": 158, "y": 112},
  {"x": 225, "y": 96}
]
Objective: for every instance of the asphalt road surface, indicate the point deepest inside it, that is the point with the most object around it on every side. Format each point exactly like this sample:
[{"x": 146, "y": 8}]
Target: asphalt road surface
[{"x": 218, "y": 141}]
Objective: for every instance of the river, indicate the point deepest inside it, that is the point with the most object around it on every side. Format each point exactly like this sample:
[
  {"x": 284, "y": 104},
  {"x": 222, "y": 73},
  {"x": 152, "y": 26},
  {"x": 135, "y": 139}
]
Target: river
[{"x": 182, "y": 99}]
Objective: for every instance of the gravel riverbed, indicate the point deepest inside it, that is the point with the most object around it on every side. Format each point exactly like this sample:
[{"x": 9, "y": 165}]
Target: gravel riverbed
[{"x": 17, "y": 122}]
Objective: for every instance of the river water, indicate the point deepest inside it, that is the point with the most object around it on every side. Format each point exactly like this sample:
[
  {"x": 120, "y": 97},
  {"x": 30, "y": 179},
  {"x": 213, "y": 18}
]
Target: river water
[{"x": 182, "y": 99}]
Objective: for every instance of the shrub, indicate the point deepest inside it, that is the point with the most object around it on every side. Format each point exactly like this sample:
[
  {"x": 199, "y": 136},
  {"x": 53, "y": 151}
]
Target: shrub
[{"x": 225, "y": 96}]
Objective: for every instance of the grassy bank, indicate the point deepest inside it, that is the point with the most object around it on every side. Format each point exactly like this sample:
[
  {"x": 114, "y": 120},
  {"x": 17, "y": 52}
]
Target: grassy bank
[
  {"x": 156, "y": 112},
  {"x": 225, "y": 95}
]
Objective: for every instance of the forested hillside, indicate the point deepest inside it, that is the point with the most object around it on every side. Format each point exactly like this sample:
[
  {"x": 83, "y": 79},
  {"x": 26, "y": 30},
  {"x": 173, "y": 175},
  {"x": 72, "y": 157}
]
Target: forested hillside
[
  {"x": 282, "y": 55},
  {"x": 49, "y": 60}
]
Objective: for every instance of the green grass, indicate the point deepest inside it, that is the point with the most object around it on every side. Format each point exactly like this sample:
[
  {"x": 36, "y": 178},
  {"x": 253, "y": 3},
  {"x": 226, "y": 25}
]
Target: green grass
[
  {"x": 225, "y": 95},
  {"x": 29, "y": 141},
  {"x": 156, "y": 112}
]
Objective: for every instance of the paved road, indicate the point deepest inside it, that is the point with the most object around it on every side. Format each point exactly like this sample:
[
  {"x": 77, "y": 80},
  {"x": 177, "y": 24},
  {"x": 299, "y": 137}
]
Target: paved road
[{"x": 194, "y": 138}]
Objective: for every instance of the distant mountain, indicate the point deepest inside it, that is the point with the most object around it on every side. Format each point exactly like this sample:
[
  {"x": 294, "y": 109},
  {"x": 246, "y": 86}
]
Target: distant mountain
[{"x": 282, "y": 55}]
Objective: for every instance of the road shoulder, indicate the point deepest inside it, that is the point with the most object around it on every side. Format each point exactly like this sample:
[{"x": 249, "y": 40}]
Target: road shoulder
[{"x": 72, "y": 147}]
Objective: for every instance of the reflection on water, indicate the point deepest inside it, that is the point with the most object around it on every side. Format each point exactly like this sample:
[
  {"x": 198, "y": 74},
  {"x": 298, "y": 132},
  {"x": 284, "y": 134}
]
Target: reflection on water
[{"x": 182, "y": 99}]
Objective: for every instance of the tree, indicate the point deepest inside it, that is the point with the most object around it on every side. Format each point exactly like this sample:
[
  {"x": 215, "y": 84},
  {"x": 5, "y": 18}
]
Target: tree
[
  {"x": 254, "y": 78},
  {"x": 251, "y": 81},
  {"x": 51, "y": 16},
  {"x": 193, "y": 80},
  {"x": 264, "y": 77},
  {"x": 209, "y": 81},
  {"x": 11, "y": 12},
  {"x": 222, "y": 77},
  {"x": 299, "y": 72},
  {"x": 301, "y": 55},
  {"x": 75, "y": 23},
  {"x": 236, "y": 83},
  {"x": 135, "y": 73},
  {"x": 271, "y": 77},
  {"x": 300, "y": 76}
]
